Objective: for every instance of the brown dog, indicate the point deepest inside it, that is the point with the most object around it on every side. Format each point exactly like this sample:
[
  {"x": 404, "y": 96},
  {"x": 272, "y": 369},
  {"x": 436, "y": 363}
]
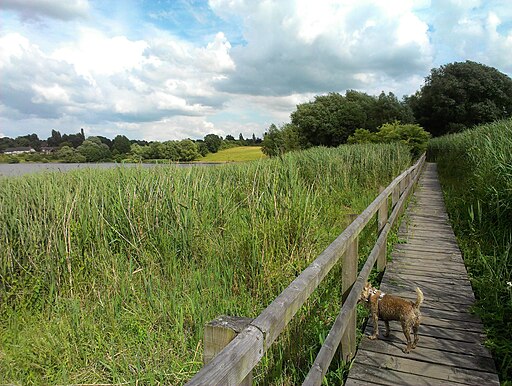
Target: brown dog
[{"x": 388, "y": 307}]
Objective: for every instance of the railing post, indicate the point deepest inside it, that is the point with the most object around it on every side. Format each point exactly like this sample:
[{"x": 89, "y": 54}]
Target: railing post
[
  {"x": 218, "y": 333},
  {"x": 348, "y": 278},
  {"x": 382, "y": 219}
]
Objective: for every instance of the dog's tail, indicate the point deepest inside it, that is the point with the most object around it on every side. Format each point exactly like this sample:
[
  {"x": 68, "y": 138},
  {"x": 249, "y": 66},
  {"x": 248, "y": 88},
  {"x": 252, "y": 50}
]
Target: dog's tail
[{"x": 419, "y": 298}]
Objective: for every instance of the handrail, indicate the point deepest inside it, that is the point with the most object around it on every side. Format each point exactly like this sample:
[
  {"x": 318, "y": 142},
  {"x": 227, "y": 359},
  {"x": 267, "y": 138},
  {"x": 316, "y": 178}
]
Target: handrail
[
  {"x": 333, "y": 339},
  {"x": 243, "y": 353}
]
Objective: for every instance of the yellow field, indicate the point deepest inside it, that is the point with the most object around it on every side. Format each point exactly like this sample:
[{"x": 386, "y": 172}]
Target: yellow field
[{"x": 235, "y": 154}]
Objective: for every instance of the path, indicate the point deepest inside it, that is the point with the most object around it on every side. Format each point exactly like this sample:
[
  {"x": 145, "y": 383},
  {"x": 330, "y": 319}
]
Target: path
[{"x": 450, "y": 349}]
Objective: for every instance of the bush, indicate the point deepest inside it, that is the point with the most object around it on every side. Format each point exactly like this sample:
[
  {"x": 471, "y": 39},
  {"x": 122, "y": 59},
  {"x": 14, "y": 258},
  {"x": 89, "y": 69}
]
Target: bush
[{"x": 411, "y": 135}]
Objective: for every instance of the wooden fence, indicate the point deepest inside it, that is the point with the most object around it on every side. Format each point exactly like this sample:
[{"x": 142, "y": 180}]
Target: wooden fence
[{"x": 239, "y": 351}]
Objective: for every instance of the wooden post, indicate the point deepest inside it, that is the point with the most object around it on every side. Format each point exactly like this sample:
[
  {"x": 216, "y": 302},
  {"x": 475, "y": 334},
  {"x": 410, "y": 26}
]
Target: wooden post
[
  {"x": 218, "y": 333},
  {"x": 395, "y": 196},
  {"x": 348, "y": 278},
  {"x": 382, "y": 219}
]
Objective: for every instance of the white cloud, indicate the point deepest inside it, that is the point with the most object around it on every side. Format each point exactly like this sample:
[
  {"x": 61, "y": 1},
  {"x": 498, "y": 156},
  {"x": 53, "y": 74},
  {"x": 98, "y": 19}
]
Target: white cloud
[
  {"x": 35, "y": 9},
  {"x": 112, "y": 67},
  {"x": 296, "y": 47},
  {"x": 96, "y": 53}
]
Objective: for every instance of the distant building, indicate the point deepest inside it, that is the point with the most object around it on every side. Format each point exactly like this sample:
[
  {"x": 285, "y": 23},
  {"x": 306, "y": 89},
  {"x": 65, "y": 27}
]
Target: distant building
[
  {"x": 19, "y": 150},
  {"x": 48, "y": 149}
]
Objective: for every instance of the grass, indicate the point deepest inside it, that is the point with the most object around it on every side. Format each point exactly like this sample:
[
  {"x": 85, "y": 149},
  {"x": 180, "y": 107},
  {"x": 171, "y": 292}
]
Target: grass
[
  {"x": 235, "y": 154},
  {"x": 475, "y": 169},
  {"x": 108, "y": 276}
]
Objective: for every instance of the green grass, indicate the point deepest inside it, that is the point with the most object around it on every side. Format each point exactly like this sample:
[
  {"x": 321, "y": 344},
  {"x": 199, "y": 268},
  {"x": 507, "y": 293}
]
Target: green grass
[
  {"x": 108, "y": 276},
  {"x": 475, "y": 169},
  {"x": 235, "y": 154}
]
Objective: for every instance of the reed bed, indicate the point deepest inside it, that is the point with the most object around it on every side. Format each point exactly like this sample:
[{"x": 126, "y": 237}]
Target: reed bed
[
  {"x": 475, "y": 167},
  {"x": 108, "y": 276}
]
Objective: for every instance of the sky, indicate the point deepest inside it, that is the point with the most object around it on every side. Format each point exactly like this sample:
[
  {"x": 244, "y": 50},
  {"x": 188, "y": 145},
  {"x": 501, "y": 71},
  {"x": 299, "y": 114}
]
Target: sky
[{"x": 173, "y": 69}]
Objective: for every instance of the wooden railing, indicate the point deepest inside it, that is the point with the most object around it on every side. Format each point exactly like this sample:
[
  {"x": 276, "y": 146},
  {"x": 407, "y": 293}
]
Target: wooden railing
[{"x": 234, "y": 363}]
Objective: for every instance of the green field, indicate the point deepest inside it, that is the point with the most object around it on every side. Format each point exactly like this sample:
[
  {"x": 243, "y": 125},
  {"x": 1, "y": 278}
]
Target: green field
[
  {"x": 108, "y": 276},
  {"x": 475, "y": 168},
  {"x": 235, "y": 154}
]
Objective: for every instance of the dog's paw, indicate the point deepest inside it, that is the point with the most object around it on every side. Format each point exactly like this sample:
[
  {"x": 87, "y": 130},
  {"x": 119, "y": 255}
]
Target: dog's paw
[
  {"x": 372, "y": 337},
  {"x": 406, "y": 350}
]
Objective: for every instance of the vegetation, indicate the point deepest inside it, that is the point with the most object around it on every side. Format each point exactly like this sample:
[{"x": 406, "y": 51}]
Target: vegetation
[
  {"x": 460, "y": 95},
  {"x": 235, "y": 154},
  {"x": 108, "y": 276},
  {"x": 476, "y": 172},
  {"x": 330, "y": 119},
  {"x": 75, "y": 148},
  {"x": 411, "y": 135}
]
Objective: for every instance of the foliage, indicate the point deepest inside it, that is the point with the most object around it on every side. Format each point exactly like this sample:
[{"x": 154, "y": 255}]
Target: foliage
[
  {"x": 279, "y": 141},
  {"x": 94, "y": 150},
  {"x": 212, "y": 142},
  {"x": 273, "y": 144},
  {"x": 459, "y": 95},
  {"x": 476, "y": 173},
  {"x": 69, "y": 155},
  {"x": 187, "y": 150},
  {"x": 330, "y": 119},
  {"x": 121, "y": 144},
  {"x": 108, "y": 276},
  {"x": 411, "y": 135}
]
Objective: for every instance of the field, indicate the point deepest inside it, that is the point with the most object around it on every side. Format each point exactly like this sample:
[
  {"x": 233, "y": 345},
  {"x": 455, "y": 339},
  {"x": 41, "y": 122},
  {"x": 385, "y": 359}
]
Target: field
[
  {"x": 108, "y": 276},
  {"x": 476, "y": 173},
  {"x": 235, "y": 154}
]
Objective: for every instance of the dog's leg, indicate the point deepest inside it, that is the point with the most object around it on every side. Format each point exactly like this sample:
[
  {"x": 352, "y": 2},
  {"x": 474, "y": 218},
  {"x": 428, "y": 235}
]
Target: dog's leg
[
  {"x": 375, "y": 318},
  {"x": 406, "y": 328},
  {"x": 386, "y": 334},
  {"x": 415, "y": 328}
]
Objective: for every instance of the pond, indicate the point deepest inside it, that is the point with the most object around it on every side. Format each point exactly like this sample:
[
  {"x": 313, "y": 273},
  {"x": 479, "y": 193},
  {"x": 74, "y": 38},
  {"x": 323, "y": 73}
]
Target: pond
[{"x": 13, "y": 170}]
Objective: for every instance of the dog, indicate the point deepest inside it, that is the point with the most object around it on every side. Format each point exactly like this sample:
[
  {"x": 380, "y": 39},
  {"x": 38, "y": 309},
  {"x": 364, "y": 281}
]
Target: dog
[{"x": 388, "y": 307}]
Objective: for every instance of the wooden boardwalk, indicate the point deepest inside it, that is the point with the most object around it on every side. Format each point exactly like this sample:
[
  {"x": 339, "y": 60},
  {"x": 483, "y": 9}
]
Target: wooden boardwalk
[{"x": 450, "y": 349}]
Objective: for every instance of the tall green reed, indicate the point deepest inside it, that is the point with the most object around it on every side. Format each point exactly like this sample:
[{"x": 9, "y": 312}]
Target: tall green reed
[
  {"x": 109, "y": 276},
  {"x": 475, "y": 167}
]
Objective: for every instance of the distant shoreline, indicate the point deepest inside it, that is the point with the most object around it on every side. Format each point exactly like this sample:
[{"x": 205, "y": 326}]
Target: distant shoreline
[{"x": 20, "y": 169}]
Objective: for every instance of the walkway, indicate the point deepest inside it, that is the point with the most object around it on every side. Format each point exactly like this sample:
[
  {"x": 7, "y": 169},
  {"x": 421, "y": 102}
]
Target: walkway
[{"x": 450, "y": 350}]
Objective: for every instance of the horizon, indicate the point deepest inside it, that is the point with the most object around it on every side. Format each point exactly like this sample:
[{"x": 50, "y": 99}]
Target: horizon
[{"x": 172, "y": 70}]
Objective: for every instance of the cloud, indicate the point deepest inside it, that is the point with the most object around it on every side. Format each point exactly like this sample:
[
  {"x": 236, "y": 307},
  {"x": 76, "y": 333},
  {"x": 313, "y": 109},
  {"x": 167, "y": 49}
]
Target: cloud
[
  {"x": 298, "y": 47},
  {"x": 113, "y": 79},
  {"x": 475, "y": 30},
  {"x": 36, "y": 9}
]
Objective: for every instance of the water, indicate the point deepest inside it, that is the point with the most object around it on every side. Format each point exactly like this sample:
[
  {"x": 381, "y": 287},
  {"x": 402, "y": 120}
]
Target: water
[{"x": 13, "y": 170}]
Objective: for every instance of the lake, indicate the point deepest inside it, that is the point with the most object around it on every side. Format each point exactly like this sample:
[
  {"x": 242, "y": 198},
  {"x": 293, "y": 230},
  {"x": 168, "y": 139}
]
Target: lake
[{"x": 13, "y": 170}]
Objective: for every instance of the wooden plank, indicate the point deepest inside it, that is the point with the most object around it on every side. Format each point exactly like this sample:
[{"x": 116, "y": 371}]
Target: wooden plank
[
  {"x": 431, "y": 370},
  {"x": 436, "y": 332},
  {"x": 448, "y": 345},
  {"x": 421, "y": 276},
  {"x": 464, "y": 316},
  {"x": 360, "y": 373},
  {"x": 432, "y": 294}
]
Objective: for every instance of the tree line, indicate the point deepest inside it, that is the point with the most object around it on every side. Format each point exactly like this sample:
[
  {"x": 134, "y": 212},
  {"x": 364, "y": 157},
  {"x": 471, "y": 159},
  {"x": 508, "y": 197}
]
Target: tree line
[
  {"x": 75, "y": 148},
  {"x": 453, "y": 98}
]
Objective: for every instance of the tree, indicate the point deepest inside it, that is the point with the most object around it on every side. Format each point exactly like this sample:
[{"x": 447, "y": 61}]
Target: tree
[
  {"x": 187, "y": 150},
  {"x": 459, "y": 95},
  {"x": 69, "y": 155},
  {"x": 121, "y": 144},
  {"x": 212, "y": 142},
  {"x": 412, "y": 135},
  {"x": 330, "y": 119},
  {"x": 273, "y": 144},
  {"x": 94, "y": 151},
  {"x": 230, "y": 138},
  {"x": 55, "y": 139}
]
